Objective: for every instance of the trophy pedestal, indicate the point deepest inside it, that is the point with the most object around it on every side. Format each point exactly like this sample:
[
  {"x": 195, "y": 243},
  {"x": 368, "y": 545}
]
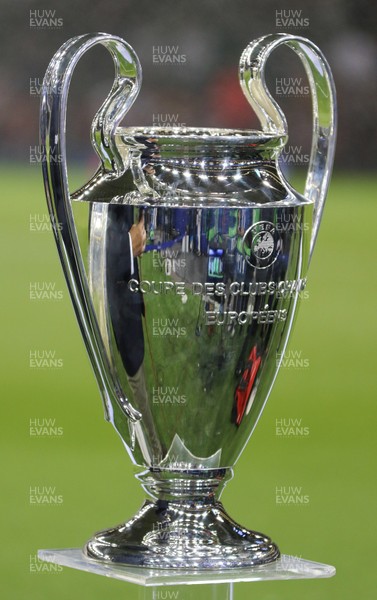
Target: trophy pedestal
[
  {"x": 172, "y": 534},
  {"x": 286, "y": 567}
]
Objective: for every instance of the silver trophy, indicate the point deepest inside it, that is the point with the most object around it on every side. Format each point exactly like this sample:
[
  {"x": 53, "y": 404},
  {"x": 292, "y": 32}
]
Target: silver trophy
[{"x": 185, "y": 255}]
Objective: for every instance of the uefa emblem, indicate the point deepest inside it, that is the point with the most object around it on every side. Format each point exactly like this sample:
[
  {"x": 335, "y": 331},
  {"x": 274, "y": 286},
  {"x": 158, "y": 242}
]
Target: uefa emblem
[{"x": 261, "y": 244}]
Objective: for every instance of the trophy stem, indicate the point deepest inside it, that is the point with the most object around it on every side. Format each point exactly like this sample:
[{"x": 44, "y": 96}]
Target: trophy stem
[
  {"x": 202, "y": 486},
  {"x": 184, "y": 526}
]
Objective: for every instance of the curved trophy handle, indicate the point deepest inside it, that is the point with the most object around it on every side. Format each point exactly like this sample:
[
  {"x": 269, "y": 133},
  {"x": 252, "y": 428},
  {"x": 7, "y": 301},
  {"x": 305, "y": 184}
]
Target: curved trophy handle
[
  {"x": 53, "y": 145},
  {"x": 252, "y": 65}
]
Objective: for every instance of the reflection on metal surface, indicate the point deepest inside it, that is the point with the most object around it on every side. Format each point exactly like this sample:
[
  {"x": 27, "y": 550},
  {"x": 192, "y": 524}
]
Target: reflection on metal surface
[{"x": 194, "y": 277}]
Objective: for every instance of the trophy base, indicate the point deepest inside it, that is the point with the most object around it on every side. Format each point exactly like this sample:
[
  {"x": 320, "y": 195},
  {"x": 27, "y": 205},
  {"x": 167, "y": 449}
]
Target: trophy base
[{"x": 175, "y": 535}]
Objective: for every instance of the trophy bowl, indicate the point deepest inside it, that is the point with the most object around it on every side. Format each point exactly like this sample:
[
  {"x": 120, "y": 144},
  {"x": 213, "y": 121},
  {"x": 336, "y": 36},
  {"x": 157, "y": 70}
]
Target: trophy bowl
[{"x": 185, "y": 255}]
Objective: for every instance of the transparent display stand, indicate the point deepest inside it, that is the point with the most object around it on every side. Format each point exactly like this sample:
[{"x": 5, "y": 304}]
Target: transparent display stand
[{"x": 287, "y": 567}]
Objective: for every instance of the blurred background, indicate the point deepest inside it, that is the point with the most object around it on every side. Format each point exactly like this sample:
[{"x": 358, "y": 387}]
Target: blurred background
[{"x": 316, "y": 439}]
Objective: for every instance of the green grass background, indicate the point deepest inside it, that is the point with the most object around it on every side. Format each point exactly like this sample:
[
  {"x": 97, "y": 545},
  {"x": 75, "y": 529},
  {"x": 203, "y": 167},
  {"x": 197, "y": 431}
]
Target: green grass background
[{"x": 335, "y": 397}]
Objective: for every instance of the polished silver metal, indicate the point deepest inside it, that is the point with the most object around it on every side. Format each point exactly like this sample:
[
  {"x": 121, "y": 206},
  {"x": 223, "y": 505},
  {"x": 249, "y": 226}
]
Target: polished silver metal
[{"x": 186, "y": 340}]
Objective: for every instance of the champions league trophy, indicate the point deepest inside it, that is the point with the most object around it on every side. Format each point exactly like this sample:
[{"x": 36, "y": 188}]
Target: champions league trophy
[{"x": 185, "y": 255}]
